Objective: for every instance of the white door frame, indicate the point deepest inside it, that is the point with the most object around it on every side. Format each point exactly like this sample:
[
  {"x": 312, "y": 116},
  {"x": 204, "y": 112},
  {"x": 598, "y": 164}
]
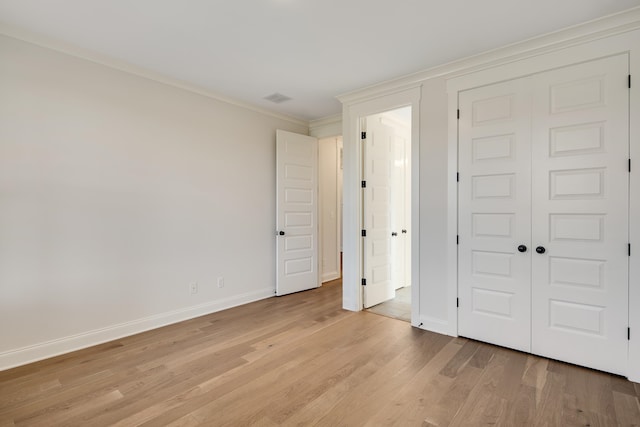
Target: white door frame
[
  {"x": 623, "y": 43},
  {"x": 352, "y": 196}
]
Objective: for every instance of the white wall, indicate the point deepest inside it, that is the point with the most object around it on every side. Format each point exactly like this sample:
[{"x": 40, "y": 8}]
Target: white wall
[
  {"x": 116, "y": 192},
  {"x": 434, "y": 173}
]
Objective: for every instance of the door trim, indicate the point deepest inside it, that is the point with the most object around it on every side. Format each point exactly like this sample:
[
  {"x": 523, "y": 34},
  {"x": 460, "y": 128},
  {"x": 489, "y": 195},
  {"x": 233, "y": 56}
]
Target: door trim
[{"x": 352, "y": 213}]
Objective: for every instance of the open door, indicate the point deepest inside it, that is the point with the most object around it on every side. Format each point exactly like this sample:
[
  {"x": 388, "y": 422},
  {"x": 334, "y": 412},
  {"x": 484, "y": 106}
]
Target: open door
[
  {"x": 296, "y": 212},
  {"x": 377, "y": 167},
  {"x": 401, "y": 205}
]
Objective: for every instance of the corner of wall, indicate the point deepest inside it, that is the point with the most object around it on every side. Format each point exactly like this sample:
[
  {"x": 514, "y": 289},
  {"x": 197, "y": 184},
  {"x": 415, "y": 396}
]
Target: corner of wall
[
  {"x": 326, "y": 127},
  {"x": 45, "y": 350}
]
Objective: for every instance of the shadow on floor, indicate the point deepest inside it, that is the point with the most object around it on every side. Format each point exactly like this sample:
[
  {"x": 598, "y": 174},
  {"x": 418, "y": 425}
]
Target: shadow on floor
[{"x": 397, "y": 308}]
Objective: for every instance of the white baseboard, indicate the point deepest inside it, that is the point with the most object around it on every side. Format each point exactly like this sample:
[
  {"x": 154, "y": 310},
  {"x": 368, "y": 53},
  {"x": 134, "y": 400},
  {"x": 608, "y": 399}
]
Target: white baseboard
[
  {"x": 436, "y": 325},
  {"x": 332, "y": 275},
  {"x": 33, "y": 353}
]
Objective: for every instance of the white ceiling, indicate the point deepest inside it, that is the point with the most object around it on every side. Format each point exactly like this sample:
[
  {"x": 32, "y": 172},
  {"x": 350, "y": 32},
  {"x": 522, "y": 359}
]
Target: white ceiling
[{"x": 309, "y": 50}]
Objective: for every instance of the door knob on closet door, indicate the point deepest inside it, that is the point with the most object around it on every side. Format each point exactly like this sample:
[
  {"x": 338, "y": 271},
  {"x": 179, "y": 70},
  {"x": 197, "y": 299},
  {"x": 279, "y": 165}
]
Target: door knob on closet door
[
  {"x": 541, "y": 249},
  {"x": 393, "y": 233},
  {"x": 281, "y": 233},
  {"x": 522, "y": 248}
]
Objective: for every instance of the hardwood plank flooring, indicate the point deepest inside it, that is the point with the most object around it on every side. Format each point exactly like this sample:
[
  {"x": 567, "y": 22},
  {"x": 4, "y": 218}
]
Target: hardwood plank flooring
[
  {"x": 301, "y": 360},
  {"x": 397, "y": 308}
]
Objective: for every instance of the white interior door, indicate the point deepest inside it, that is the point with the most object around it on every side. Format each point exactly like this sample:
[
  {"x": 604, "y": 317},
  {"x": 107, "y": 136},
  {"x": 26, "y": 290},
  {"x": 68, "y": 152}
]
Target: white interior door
[
  {"x": 297, "y": 212},
  {"x": 377, "y": 165},
  {"x": 580, "y": 214},
  {"x": 494, "y": 276}
]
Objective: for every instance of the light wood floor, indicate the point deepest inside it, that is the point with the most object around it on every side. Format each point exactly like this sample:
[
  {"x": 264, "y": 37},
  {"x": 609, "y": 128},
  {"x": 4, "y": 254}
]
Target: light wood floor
[
  {"x": 398, "y": 308},
  {"x": 301, "y": 360}
]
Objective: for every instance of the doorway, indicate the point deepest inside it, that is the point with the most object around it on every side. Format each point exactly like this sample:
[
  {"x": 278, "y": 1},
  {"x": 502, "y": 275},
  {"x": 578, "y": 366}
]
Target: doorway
[
  {"x": 308, "y": 211},
  {"x": 330, "y": 207},
  {"x": 386, "y": 207}
]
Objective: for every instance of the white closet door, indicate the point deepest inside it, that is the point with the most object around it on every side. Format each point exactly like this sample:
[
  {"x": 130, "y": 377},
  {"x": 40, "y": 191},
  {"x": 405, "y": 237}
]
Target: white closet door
[
  {"x": 495, "y": 214},
  {"x": 580, "y": 214}
]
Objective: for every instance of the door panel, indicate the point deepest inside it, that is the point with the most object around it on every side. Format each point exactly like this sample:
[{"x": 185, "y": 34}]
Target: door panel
[
  {"x": 297, "y": 212},
  {"x": 580, "y": 212},
  {"x": 495, "y": 214},
  {"x": 377, "y": 167}
]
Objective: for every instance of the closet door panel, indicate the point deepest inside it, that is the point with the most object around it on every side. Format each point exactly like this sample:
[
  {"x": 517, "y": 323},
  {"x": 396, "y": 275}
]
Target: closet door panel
[
  {"x": 580, "y": 214},
  {"x": 495, "y": 214}
]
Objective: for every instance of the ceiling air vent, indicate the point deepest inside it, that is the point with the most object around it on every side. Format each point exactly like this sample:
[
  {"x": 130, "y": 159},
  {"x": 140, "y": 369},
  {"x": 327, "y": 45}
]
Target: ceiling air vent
[{"x": 277, "y": 98}]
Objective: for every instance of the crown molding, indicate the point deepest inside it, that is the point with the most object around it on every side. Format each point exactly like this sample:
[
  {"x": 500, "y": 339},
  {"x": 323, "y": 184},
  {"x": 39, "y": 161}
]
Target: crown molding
[
  {"x": 606, "y": 26},
  {"x": 326, "y": 127},
  {"x": 107, "y": 61},
  {"x": 329, "y": 120},
  {"x": 380, "y": 89}
]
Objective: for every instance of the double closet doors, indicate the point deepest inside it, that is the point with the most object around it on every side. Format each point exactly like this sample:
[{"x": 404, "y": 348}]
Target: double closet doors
[{"x": 543, "y": 214}]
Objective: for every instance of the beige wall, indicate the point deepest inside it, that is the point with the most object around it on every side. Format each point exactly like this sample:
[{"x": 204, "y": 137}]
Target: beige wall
[
  {"x": 116, "y": 193},
  {"x": 330, "y": 201}
]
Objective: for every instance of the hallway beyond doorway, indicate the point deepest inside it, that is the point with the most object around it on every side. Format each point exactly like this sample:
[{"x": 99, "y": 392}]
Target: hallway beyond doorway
[{"x": 396, "y": 308}]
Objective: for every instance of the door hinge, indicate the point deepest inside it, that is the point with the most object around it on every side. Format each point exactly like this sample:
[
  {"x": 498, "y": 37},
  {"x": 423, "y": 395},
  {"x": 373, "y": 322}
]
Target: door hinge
[
  {"x": 363, "y": 184},
  {"x": 457, "y": 176},
  {"x": 457, "y": 302},
  {"x": 629, "y": 81},
  {"x": 628, "y": 334},
  {"x": 457, "y": 239},
  {"x": 363, "y": 135},
  {"x": 364, "y": 282},
  {"x": 363, "y": 233},
  {"x": 629, "y": 249},
  {"x": 458, "y": 114},
  {"x": 629, "y": 165}
]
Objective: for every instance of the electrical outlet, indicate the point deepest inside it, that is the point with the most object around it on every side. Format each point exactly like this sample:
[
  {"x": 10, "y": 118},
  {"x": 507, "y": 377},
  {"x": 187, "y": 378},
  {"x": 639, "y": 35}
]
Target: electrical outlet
[
  {"x": 221, "y": 282},
  {"x": 193, "y": 288}
]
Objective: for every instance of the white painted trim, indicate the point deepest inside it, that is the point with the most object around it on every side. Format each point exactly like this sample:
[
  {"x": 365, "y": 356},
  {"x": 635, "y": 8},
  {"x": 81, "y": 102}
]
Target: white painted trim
[
  {"x": 633, "y": 371},
  {"x": 352, "y": 214},
  {"x": 374, "y": 92},
  {"x": 45, "y": 350},
  {"x": 606, "y": 26},
  {"x": 107, "y": 61},
  {"x": 338, "y": 207},
  {"x": 452, "y": 217},
  {"x": 415, "y": 206},
  {"x": 622, "y": 43},
  {"x": 332, "y": 275},
  {"x": 614, "y": 45},
  {"x": 351, "y": 250}
]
